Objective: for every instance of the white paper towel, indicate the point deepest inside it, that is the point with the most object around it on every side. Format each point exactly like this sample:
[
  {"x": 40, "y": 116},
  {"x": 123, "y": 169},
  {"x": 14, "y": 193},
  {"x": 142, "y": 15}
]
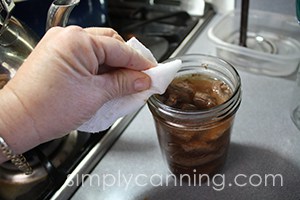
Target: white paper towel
[{"x": 161, "y": 76}]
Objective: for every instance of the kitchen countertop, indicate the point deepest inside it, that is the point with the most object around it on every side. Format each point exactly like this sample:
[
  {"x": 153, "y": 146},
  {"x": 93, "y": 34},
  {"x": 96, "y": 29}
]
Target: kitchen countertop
[{"x": 263, "y": 160}]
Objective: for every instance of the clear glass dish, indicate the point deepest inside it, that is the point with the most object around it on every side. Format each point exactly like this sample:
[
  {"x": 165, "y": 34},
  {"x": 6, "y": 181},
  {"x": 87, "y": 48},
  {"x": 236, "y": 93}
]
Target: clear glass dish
[{"x": 273, "y": 42}]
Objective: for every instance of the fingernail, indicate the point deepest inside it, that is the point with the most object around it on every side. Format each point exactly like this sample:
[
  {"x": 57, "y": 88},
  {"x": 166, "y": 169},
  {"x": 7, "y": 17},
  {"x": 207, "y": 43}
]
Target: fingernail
[{"x": 141, "y": 84}]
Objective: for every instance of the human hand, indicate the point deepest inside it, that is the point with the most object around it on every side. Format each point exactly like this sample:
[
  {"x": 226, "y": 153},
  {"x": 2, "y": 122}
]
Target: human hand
[{"x": 69, "y": 75}]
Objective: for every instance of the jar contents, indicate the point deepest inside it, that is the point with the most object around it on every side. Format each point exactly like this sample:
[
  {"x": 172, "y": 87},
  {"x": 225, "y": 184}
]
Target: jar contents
[
  {"x": 194, "y": 147},
  {"x": 195, "y": 92}
]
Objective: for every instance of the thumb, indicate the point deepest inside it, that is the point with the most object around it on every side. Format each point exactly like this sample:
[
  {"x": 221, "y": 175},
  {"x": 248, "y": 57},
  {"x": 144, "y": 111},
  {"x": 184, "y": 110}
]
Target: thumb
[{"x": 124, "y": 82}]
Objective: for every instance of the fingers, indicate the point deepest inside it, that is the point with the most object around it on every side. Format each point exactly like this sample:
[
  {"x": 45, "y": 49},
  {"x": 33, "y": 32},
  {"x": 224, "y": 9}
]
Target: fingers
[
  {"x": 123, "y": 82},
  {"x": 104, "y": 32},
  {"x": 118, "y": 54},
  {"x": 114, "y": 53},
  {"x": 104, "y": 43}
]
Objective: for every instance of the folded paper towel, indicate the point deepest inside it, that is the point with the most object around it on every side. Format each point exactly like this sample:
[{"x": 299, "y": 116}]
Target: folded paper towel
[{"x": 161, "y": 76}]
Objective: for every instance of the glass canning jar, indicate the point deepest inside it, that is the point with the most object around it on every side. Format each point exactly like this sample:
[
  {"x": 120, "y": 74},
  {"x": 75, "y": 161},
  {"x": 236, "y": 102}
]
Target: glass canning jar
[{"x": 194, "y": 143}]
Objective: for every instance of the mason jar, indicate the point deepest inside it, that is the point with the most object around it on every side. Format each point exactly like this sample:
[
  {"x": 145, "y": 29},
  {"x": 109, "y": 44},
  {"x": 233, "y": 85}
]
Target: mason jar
[{"x": 194, "y": 140}]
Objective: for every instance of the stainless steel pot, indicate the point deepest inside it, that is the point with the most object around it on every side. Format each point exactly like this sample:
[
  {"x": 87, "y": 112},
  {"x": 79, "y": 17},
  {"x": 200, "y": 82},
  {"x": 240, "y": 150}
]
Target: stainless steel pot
[{"x": 16, "y": 42}]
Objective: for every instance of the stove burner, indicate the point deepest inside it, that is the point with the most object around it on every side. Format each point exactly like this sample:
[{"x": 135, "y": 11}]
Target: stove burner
[
  {"x": 148, "y": 24},
  {"x": 43, "y": 159}
]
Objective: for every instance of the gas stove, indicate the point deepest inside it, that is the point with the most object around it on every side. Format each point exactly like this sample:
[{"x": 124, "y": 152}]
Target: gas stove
[
  {"x": 164, "y": 29},
  {"x": 167, "y": 31}
]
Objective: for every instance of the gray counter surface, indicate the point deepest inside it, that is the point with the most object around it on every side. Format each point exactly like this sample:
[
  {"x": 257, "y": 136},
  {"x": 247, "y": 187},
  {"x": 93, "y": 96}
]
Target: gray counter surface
[{"x": 263, "y": 160}]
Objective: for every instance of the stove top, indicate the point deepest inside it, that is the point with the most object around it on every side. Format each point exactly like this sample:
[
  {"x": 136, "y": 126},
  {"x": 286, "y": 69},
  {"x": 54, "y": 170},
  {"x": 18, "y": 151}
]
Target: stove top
[
  {"x": 161, "y": 30},
  {"x": 56, "y": 164}
]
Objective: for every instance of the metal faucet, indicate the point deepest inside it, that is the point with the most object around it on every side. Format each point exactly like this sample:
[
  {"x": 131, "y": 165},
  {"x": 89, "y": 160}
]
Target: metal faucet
[{"x": 59, "y": 12}]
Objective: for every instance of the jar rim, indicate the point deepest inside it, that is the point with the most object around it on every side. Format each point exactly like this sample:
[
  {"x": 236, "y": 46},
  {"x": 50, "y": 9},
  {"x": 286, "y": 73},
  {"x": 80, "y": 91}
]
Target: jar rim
[{"x": 236, "y": 94}]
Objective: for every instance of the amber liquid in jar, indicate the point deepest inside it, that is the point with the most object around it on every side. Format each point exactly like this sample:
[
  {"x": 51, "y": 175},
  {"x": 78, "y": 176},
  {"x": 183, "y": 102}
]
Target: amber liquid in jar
[{"x": 193, "y": 147}]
